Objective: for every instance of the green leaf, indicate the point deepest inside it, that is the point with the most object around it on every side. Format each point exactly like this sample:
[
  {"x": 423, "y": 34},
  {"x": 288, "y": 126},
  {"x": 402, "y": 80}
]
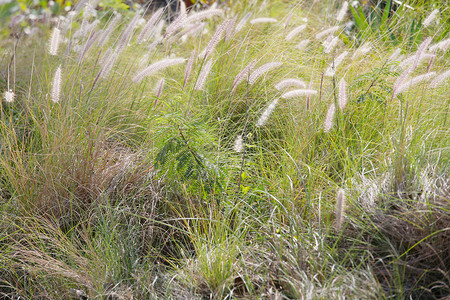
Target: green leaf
[{"x": 385, "y": 16}]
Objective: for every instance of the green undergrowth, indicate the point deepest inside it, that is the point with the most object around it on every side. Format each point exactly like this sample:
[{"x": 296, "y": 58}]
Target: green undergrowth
[{"x": 115, "y": 186}]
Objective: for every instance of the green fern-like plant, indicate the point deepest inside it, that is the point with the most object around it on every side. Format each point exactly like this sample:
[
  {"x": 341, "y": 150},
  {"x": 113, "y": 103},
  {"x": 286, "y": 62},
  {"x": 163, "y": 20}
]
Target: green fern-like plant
[{"x": 183, "y": 158}]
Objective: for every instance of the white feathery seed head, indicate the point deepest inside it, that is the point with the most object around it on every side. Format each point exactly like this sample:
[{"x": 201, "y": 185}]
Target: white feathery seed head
[
  {"x": 328, "y": 124},
  {"x": 298, "y": 93},
  {"x": 326, "y": 32},
  {"x": 189, "y": 65},
  {"x": 288, "y": 82},
  {"x": 238, "y": 144},
  {"x": 54, "y": 41},
  {"x": 159, "y": 87},
  {"x": 430, "y": 18},
  {"x": 414, "y": 59},
  {"x": 308, "y": 98},
  {"x": 263, "y": 20},
  {"x": 203, "y": 75},
  {"x": 176, "y": 25},
  {"x": 107, "y": 32},
  {"x": 330, "y": 44},
  {"x": 395, "y": 55},
  {"x": 216, "y": 38},
  {"x": 262, "y": 70},
  {"x": 340, "y": 58},
  {"x": 294, "y": 32},
  {"x": 340, "y": 208},
  {"x": 442, "y": 45},
  {"x": 342, "y": 94},
  {"x": 242, "y": 23},
  {"x": 157, "y": 66},
  {"x": 230, "y": 29},
  {"x": 147, "y": 30},
  {"x": 415, "y": 81},
  {"x": 302, "y": 44},
  {"x": 439, "y": 79},
  {"x": 8, "y": 96},
  {"x": 202, "y": 15},
  {"x": 242, "y": 75},
  {"x": 266, "y": 114},
  {"x": 108, "y": 61},
  {"x": 56, "y": 86},
  {"x": 342, "y": 12},
  {"x": 127, "y": 33},
  {"x": 362, "y": 50}
]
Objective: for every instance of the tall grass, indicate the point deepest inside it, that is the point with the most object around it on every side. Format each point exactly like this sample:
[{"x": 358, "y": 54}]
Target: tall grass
[{"x": 222, "y": 160}]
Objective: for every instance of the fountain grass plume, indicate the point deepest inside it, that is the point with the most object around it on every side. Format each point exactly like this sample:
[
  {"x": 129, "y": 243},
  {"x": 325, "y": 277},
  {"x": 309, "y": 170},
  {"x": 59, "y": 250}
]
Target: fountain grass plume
[
  {"x": 8, "y": 96},
  {"x": 342, "y": 12},
  {"x": 288, "y": 82},
  {"x": 442, "y": 45},
  {"x": 188, "y": 70},
  {"x": 439, "y": 79},
  {"x": 415, "y": 81},
  {"x": 176, "y": 25},
  {"x": 430, "y": 18},
  {"x": 216, "y": 38},
  {"x": 266, "y": 114},
  {"x": 242, "y": 75},
  {"x": 242, "y": 23},
  {"x": 398, "y": 83},
  {"x": 126, "y": 34},
  {"x": 203, "y": 74},
  {"x": 238, "y": 144},
  {"x": 340, "y": 208},
  {"x": 146, "y": 31},
  {"x": 330, "y": 44},
  {"x": 302, "y": 44},
  {"x": 202, "y": 15},
  {"x": 108, "y": 63},
  {"x": 328, "y": 124},
  {"x": 54, "y": 41},
  {"x": 362, "y": 50},
  {"x": 298, "y": 93},
  {"x": 294, "y": 32},
  {"x": 230, "y": 29},
  {"x": 331, "y": 70},
  {"x": 263, "y": 20},
  {"x": 413, "y": 58},
  {"x": 89, "y": 43},
  {"x": 56, "y": 86},
  {"x": 157, "y": 66},
  {"x": 342, "y": 94},
  {"x": 262, "y": 70},
  {"x": 107, "y": 32},
  {"x": 326, "y": 32},
  {"x": 395, "y": 55}
]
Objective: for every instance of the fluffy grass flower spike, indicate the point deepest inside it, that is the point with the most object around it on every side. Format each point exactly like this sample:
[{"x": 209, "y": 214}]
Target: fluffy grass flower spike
[
  {"x": 298, "y": 93},
  {"x": 242, "y": 75},
  {"x": 157, "y": 66},
  {"x": 203, "y": 75},
  {"x": 342, "y": 94},
  {"x": 290, "y": 82},
  {"x": 266, "y": 114},
  {"x": 56, "y": 86},
  {"x": 262, "y": 70},
  {"x": 328, "y": 124},
  {"x": 8, "y": 96},
  {"x": 54, "y": 41}
]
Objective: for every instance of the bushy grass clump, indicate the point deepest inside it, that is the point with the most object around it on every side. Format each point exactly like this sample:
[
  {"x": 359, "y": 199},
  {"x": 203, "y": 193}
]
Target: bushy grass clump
[{"x": 256, "y": 150}]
